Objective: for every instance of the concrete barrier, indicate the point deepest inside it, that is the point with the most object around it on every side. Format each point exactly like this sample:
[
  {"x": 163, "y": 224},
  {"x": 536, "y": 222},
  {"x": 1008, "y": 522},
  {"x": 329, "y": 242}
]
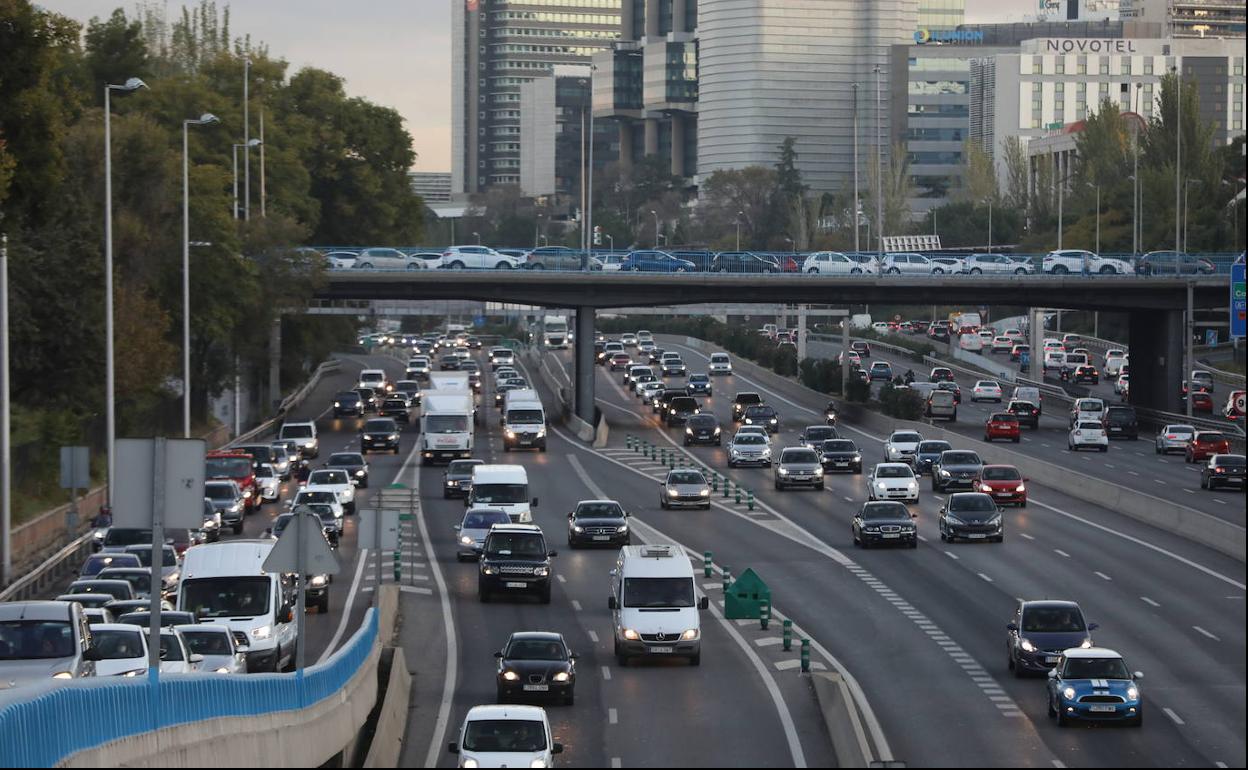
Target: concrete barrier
[
  {"x": 983, "y": 362},
  {"x": 845, "y": 730},
  {"x": 391, "y": 726},
  {"x": 603, "y": 432}
]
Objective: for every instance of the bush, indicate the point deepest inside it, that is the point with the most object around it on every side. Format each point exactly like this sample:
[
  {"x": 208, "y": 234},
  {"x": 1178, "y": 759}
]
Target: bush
[
  {"x": 808, "y": 373},
  {"x": 785, "y": 361},
  {"x": 858, "y": 391},
  {"x": 902, "y": 403}
]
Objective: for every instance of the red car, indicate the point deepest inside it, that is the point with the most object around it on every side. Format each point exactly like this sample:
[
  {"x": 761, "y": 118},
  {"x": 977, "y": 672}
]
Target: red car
[
  {"x": 1206, "y": 444},
  {"x": 1202, "y": 402},
  {"x": 620, "y": 361},
  {"x": 1002, "y": 425},
  {"x": 1005, "y": 483}
]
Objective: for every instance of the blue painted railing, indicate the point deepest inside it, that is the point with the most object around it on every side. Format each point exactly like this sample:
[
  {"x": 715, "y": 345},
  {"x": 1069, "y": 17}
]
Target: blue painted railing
[{"x": 44, "y": 725}]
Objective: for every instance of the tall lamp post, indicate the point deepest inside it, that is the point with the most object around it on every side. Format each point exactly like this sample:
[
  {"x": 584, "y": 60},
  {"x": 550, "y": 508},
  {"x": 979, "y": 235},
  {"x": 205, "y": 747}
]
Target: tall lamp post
[
  {"x": 656, "y": 227},
  {"x": 246, "y": 140},
  {"x": 739, "y": 213},
  {"x": 1178, "y": 159},
  {"x": 253, "y": 143},
  {"x": 204, "y": 120},
  {"x": 478, "y": 237},
  {"x": 1187, "y": 186},
  {"x": 133, "y": 84},
  {"x": 857, "y": 228},
  {"x": 879, "y": 159}
]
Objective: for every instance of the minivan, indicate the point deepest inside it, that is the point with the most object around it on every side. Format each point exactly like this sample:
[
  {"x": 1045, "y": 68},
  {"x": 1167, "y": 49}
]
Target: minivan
[
  {"x": 304, "y": 435},
  {"x": 504, "y": 487},
  {"x": 942, "y": 403},
  {"x": 654, "y": 604}
]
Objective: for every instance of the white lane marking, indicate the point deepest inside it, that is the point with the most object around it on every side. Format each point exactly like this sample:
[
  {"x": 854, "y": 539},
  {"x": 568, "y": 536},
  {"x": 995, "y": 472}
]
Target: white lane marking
[
  {"x": 1173, "y": 716},
  {"x": 787, "y": 665},
  {"x": 951, "y": 555},
  {"x": 1102, "y": 576},
  {"x": 606, "y": 673},
  {"x": 1219, "y": 764},
  {"x": 416, "y": 590},
  {"x": 1206, "y": 633},
  {"x": 616, "y": 762},
  {"x": 1147, "y": 600},
  {"x": 1025, "y": 536},
  {"x": 576, "y": 605},
  {"x": 769, "y": 641},
  {"x": 882, "y": 748},
  {"x": 1219, "y": 501},
  {"x": 561, "y": 578},
  {"x": 1058, "y": 763},
  {"x": 923, "y": 538},
  {"x": 1060, "y": 552},
  {"x": 593, "y": 635},
  {"x": 613, "y": 717},
  {"x": 985, "y": 577}
]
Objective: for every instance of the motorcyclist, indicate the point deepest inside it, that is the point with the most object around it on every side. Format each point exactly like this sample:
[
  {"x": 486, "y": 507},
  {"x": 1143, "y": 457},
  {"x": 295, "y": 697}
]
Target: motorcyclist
[
  {"x": 909, "y": 378},
  {"x": 303, "y": 471},
  {"x": 104, "y": 518}
]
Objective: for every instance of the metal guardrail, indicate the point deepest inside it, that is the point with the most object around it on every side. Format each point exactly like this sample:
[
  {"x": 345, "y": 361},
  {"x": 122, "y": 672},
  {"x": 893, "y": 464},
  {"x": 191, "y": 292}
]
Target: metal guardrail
[
  {"x": 34, "y": 720},
  {"x": 36, "y": 582}
]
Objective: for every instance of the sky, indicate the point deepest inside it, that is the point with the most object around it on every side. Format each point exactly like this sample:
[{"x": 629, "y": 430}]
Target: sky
[{"x": 393, "y": 52}]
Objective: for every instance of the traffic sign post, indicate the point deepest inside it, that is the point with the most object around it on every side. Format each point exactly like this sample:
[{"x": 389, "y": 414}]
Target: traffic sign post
[
  {"x": 75, "y": 475},
  {"x": 1239, "y": 302},
  {"x": 381, "y": 528},
  {"x": 301, "y": 549}
]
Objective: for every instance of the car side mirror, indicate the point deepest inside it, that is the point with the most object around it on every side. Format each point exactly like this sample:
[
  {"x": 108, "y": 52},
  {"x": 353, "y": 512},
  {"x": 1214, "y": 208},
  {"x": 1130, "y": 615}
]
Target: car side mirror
[
  {"x": 914, "y": 514},
  {"x": 1137, "y": 675},
  {"x": 612, "y": 604},
  {"x": 1025, "y": 480},
  {"x": 286, "y": 614},
  {"x": 196, "y": 658},
  {"x": 455, "y": 528},
  {"x": 573, "y": 656},
  {"x": 452, "y": 748},
  {"x": 1093, "y": 626},
  {"x": 553, "y": 554},
  {"x": 1000, "y": 509},
  {"x": 534, "y": 503},
  {"x": 556, "y": 748},
  {"x": 92, "y": 654},
  {"x": 628, "y": 515},
  {"x": 498, "y": 654},
  {"x": 571, "y": 515},
  {"x": 1052, "y": 673},
  {"x": 241, "y": 647},
  {"x": 1011, "y": 626},
  {"x": 704, "y": 603}
]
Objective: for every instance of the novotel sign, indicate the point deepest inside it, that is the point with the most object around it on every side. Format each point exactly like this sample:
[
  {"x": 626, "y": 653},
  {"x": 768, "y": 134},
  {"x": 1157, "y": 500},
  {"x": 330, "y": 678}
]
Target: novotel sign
[
  {"x": 923, "y": 36},
  {"x": 1088, "y": 45}
]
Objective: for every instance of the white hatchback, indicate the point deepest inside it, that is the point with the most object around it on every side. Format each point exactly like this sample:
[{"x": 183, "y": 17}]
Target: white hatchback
[
  {"x": 1088, "y": 435},
  {"x": 986, "y": 390},
  {"x": 901, "y": 446},
  {"x": 835, "y": 263},
  {"x": 506, "y": 736}
]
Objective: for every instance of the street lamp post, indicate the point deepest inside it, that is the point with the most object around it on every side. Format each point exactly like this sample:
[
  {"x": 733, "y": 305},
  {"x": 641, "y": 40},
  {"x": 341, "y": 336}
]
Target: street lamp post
[
  {"x": 989, "y": 250},
  {"x": 1186, "y": 189},
  {"x": 1098, "y": 219},
  {"x": 246, "y": 141},
  {"x": 206, "y": 119},
  {"x": 133, "y": 84},
  {"x": 656, "y": 227},
  {"x": 664, "y": 237},
  {"x": 857, "y": 228},
  {"x": 478, "y": 237},
  {"x": 1178, "y": 161},
  {"x": 739, "y": 213},
  {"x": 253, "y": 143},
  {"x": 610, "y": 240},
  {"x": 879, "y": 159}
]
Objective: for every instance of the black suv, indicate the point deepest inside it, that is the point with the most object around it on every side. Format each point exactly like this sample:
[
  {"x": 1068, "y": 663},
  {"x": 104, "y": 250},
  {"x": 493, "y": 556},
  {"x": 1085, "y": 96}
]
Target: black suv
[
  {"x": 369, "y": 401},
  {"x": 761, "y": 414},
  {"x": 663, "y": 399},
  {"x": 348, "y": 403},
  {"x": 703, "y": 429},
  {"x": 840, "y": 454},
  {"x": 514, "y": 559},
  {"x": 679, "y": 410},
  {"x": 380, "y": 433},
  {"x": 396, "y": 407},
  {"x": 1121, "y": 422},
  {"x": 741, "y": 401},
  {"x": 956, "y": 468},
  {"x": 353, "y": 463}
]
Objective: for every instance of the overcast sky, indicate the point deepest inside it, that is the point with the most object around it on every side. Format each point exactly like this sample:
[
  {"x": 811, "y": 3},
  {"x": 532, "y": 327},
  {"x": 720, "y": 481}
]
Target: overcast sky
[{"x": 393, "y": 52}]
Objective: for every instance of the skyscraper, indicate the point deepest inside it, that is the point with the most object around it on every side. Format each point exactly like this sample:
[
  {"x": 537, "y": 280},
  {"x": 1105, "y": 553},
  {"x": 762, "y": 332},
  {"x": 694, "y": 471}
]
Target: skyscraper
[{"x": 498, "y": 45}]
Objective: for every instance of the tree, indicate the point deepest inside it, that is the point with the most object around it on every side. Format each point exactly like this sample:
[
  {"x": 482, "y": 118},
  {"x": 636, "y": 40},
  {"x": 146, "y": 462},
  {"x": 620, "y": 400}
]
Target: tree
[
  {"x": 898, "y": 189},
  {"x": 747, "y": 190},
  {"x": 115, "y": 51},
  {"x": 1017, "y": 191},
  {"x": 979, "y": 176}
]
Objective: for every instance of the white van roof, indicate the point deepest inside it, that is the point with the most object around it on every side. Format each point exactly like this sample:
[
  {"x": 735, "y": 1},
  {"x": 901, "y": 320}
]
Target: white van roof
[
  {"x": 236, "y": 557},
  {"x": 499, "y": 474},
  {"x": 656, "y": 560}
]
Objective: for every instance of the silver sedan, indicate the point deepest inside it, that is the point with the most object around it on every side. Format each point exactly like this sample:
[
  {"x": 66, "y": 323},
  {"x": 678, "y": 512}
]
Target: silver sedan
[
  {"x": 1173, "y": 438},
  {"x": 685, "y": 488}
]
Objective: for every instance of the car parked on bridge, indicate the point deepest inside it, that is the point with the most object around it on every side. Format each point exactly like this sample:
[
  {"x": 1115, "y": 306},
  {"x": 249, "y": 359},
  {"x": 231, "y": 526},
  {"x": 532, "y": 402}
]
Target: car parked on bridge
[
  {"x": 835, "y": 263},
  {"x": 1094, "y": 684},
  {"x": 1173, "y": 263},
  {"x": 884, "y": 522},
  {"x": 386, "y": 259},
  {"x": 1222, "y": 470},
  {"x": 1206, "y": 444},
  {"x": 910, "y": 264},
  {"x": 478, "y": 258},
  {"x": 1173, "y": 438},
  {"x": 1087, "y": 434},
  {"x": 996, "y": 264},
  {"x": 972, "y": 516},
  {"x": 743, "y": 262},
  {"x": 557, "y": 258},
  {"x": 1080, "y": 261},
  {"x": 892, "y": 481},
  {"x": 685, "y": 488},
  {"x": 652, "y": 261},
  {"x": 1040, "y": 631},
  {"x": 956, "y": 468}
]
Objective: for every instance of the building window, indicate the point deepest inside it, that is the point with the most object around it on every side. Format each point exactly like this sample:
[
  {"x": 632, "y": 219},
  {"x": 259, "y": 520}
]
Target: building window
[
  {"x": 1104, "y": 66},
  {"x": 1037, "y": 65},
  {"x": 1081, "y": 65},
  {"x": 1148, "y": 65},
  {"x": 1126, "y": 65}
]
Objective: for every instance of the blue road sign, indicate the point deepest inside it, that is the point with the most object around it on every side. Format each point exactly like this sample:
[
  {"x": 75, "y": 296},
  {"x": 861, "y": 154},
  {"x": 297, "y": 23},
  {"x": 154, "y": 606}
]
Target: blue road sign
[
  {"x": 1211, "y": 337},
  {"x": 1239, "y": 303},
  {"x": 479, "y": 321}
]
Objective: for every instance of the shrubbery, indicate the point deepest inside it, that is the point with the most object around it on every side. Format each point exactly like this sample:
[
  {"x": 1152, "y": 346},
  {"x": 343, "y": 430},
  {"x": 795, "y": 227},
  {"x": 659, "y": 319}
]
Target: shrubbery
[{"x": 902, "y": 403}]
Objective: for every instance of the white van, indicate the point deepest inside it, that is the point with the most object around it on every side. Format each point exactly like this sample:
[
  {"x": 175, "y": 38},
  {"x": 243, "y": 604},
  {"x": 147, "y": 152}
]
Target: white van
[
  {"x": 225, "y": 583},
  {"x": 502, "y": 487},
  {"x": 304, "y": 435},
  {"x": 654, "y": 604},
  {"x": 524, "y": 424},
  {"x": 375, "y": 379}
]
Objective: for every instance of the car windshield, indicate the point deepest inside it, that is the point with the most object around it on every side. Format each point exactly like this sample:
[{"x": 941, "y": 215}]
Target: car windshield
[
  {"x": 315, "y": 496},
  {"x": 1090, "y": 406},
  {"x": 526, "y": 416},
  {"x": 906, "y": 438},
  {"x": 524, "y": 544},
  {"x": 703, "y": 421},
  {"x": 221, "y": 597},
  {"x": 658, "y": 592},
  {"x": 1096, "y": 668},
  {"x": 218, "y": 492},
  {"x": 1052, "y": 620},
  {"x": 345, "y": 459},
  {"x": 1230, "y": 461},
  {"x": 349, "y": 395},
  {"x": 1025, "y": 406},
  {"x": 503, "y": 494},
  {"x": 839, "y": 445},
  {"x": 684, "y": 404},
  {"x": 446, "y": 423},
  {"x": 884, "y": 510},
  {"x": 115, "y": 644},
  {"x": 748, "y": 398},
  {"x": 1001, "y": 473},
  {"x": 1209, "y": 437},
  {"x": 145, "y": 556},
  {"x": 141, "y": 580},
  {"x": 987, "y": 384},
  {"x": 760, "y": 411},
  {"x": 1091, "y": 426},
  {"x": 960, "y": 458},
  {"x": 265, "y": 472},
  {"x": 600, "y": 510},
  {"x": 462, "y": 467},
  {"x": 208, "y": 642},
  {"x": 749, "y": 438},
  {"x": 894, "y": 472},
  {"x": 380, "y": 426},
  {"x": 484, "y": 519},
  {"x": 169, "y": 648},
  {"x": 34, "y": 639},
  {"x": 321, "y": 509},
  {"x": 819, "y": 434},
  {"x": 974, "y": 503},
  {"x": 297, "y": 431},
  {"x": 328, "y": 477},
  {"x": 799, "y": 456},
  {"x": 537, "y": 649},
  {"x": 227, "y": 467},
  {"x": 685, "y": 477},
  {"x": 699, "y": 378},
  {"x": 508, "y": 736},
  {"x": 933, "y": 447}
]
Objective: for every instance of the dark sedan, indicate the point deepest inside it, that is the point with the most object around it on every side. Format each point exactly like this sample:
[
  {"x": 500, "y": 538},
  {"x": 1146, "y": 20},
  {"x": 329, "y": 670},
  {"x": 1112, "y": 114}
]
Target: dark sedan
[
  {"x": 743, "y": 262},
  {"x": 458, "y": 478},
  {"x": 764, "y": 415},
  {"x": 884, "y": 522},
  {"x": 1026, "y": 412},
  {"x": 536, "y": 664},
  {"x": 598, "y": 522},
  {"x": 348, "y": 403},
  {"x": 840, "y": 454},
  {"x": 970, "y": 515},
  {"x": 813, "y": 436},
  {"x": 1223, "y": 470},
  {"x": 656, "y": 262},
  {"x": 368, "y": 400},
  {"x": 353, "y": 463},
  {"x": 380, "y": 434},
  {"x": 956, "y": 468},
  {"x": 1040, "y": 631},
  {"x": 397, "y": 408},
  {"x": 927, "y": 453},
  {"x": 703, "y": 429}
]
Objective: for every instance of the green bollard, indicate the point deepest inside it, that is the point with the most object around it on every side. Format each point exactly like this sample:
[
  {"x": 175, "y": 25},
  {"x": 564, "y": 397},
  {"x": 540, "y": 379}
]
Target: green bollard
[
  {"x": 671, "y": 460},
  {"x": 788, "y": 635},
  {"x": 727, "y": 483},
  {"x": 805, "y": 656},
  {"x": 727, "y": 579},
  {"x": 628, "y": 440},
  {"x": 750, "y": 499},
  {"x": 714, "y": 482},
  {"x": 706, "y": 564},
  {"x": 738, "y": 497},
  {"x": 398, "y": 566},
  {"x": 764, "y": 613}
]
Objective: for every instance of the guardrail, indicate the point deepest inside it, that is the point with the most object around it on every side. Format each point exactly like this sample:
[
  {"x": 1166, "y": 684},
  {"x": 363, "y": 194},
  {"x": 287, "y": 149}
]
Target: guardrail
[{"x": 48, "y": 724}]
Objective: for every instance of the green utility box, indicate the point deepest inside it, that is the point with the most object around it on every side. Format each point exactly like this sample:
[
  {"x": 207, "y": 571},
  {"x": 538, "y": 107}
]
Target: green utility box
[{"x": 745, "y": 597}]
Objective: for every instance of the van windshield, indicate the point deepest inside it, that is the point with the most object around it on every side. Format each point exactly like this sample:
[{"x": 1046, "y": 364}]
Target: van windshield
[
  {"x": 220, "y": 597},
  {"x": 446, "y": 423},
  {"x": 525, "y": 416},
  {"x": 296, "y": 431},
  {"x": 502, "y": 494},
  {"x": 658, "y": 592}
]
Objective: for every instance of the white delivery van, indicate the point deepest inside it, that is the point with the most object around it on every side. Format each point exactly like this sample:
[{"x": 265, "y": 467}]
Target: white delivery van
[
  {"x": 654, "y": 604},
  {"x": 451, "y": 381},
  {"x": 446, "y": 425},
  {"x": 503, "y": 488},
  {"x": 375, "y": 379},
  {"x": 555, "y": 332},
  {"x": 524, "y": 421},
  {"x": 225, "y": 583},
  {"x": 304, "y": 435}
]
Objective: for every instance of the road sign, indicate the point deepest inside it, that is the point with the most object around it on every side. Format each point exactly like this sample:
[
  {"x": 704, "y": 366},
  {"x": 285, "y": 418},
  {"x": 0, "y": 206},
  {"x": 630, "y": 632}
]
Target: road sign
[
  {"x": 305, "y": 531},
  {"x": 1211, "y": 337},
  {"x": 367, "y": 536},
  {"x": 1239, "y": 302},
  {"x": 75, "y": 467},
  {"x": 479, "y": 321},
  {"x": 183, "y": 483},
  {"x": 1239, "y": 403}
]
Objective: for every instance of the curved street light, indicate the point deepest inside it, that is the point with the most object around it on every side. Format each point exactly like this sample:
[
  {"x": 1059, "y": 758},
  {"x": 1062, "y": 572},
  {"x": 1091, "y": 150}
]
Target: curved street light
[{"x": 205, "y": 119}]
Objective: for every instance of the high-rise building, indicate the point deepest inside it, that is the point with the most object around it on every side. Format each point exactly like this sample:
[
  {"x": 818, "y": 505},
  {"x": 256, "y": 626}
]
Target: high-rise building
[
  {"x": 941, "y": 14},
  {"x": 432, "y": 186},
  {"x": 496, "y": 47},
  {"x": 554, "y": 116},
  {"x": 1190, "y": 18}
]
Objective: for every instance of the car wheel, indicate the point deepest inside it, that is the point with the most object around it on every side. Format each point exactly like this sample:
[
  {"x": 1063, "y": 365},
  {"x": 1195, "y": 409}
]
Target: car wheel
[
  {"x": 1020, "y": 271},
  {"x": 503, "y": 266},
  {"x": 414, "y": 266},
  {"x": 943, "y": 537},
  {"x": 938, "y": 271},
  {"x": 365, "y": 266},
  {"x": 856, "y": 271},
  {"x": 1062, "y": 719},
  {"x": 621, "y": 659},
  {"x": 500, "y": 695},
  {"x": 695, "y": 660},
  {"x": 976, "y": 271},
  {"x": 537, "y": 266},
  {"x": 322, "y": 607},
  {"x": 1060, "y": 270},
  {"x": 1107, "y": 270},
  {"x": 456, "y": 265},
  {"x": 483, "y": 594},
  {"x": 681, "y": 270},
  {"x": 893, "y": 271}
]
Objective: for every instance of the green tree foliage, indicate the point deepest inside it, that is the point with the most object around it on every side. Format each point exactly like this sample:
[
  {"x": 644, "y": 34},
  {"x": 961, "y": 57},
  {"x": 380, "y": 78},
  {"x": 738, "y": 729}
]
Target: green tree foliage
[{"x": 979, "y": 176}]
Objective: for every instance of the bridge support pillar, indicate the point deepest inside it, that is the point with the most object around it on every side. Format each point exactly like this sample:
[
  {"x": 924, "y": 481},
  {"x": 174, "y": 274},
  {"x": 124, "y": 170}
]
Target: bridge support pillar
[
  {"x": 585, "y": 370},
  {"x": 1157, "y": 346},
  {"x": 275, "y": 362},
  {"x": 801, "y": 332}
]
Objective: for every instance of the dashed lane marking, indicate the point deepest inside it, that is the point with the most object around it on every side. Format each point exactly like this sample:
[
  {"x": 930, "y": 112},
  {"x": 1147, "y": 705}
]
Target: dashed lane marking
[
  {"x": 1061, "y": 553},
  {"x": 985, "y": 577},
  {"x": 576, "y": 605},
  {"x": 1173, "y": 716},
  {"x": 951, "y": 555},
  {"x": 1147, "y": 600},
  {"x": 1102, "y": 576},
  {"x": 1206, "y": 633},
  {"x": 1025, "y": 536},
  {"x": 593, "y": 636},
  {"x": 613, "y": 717},
  {"x": 606, "y": 673}
]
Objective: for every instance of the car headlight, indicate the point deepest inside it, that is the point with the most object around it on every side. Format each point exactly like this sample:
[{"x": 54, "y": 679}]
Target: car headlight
[
  {"x": 233, "y": 508},
  {"x": 870, "y": 529},
  {"x": 951, "y": 519},
  {"x": 705, "y": 492},
  {"x": 222, "y": 670},
  {"x": 945, "y": 473},
  {"x": 99, "y": 535},
  {"x": 985, "y": 488},
  {"x": 62, "y": 675},
  {"x": 309, "y": 444},
  {"x": 538, "y": 763},
  {"x": 541, "y": 432},
  {"x": 671, "y": 411},
  {"x": 857, "y": 457},
  {"x": 511, "y": 676},
  {"x": 672, "y": 493},
  {"x": 1068, "y": 693},
  {"x": 773, "y": 420},
  {"x": 577, "y": 528},
  {"x": 1027, "y": 645},
  {"x": 689, "y": 634},
  {"x": 783, "y": 471},
  {"x": 246, "y": 493},
  {"x": 511, "y": 434},
  {"x": 689, "y": 431},
  {"x": 881, "y": 485},
  {"x": 541, "y": 571},
  {"x": 749, "y": 421},
  {"x": 337, "y": 404},
  {"x": 263, "y": 632},
  {"x": 1020, "y": 488},
  {"x": 717, "y": 431},
  {"x": 562, "y": 676},
  {"x": 487, "y": 570},
  {"x": 621, "y": 529},
  {"x": 394, "y": 437},
  {"x": 1133, "y": 693},
  {"x": 819, "y": 471},
  {"x": 631, "y": 635},
  {"x": 1086, "y": 644},
  {"x": 913, "y": 486}
]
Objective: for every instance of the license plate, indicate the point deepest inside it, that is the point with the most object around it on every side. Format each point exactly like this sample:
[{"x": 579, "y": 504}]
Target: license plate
[
  {"x": 1115, "y": 430},
  {"x": 660, "y": 650},
  {"x": 977, "y": 536},
  {"x": 1003, "y": 494},
  {"x": 602, "y": 537},
  {"x": 1102, "y": 709},
  {"x": 1050, "y": 659},
  {"x": 892, "y": 536},
  {"x": 446, "y": 443},
  {"x": 537, "y": 688},
  {"x": 516, "y": 585},
  {"x": 842, "y": 464}
]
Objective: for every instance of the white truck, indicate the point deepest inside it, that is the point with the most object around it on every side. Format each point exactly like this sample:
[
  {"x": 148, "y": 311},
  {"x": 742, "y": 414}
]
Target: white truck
[
  {"x": 448, "y": 381},
  {"x": 446, "y": 420},
  {"x": 524, "y": 421},
  {"x": 555, "y": 335}
]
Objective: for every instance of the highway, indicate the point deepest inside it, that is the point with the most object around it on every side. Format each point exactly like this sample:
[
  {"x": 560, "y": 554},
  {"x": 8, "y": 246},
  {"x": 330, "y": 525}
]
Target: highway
[{"x": 925, "y": 629}]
